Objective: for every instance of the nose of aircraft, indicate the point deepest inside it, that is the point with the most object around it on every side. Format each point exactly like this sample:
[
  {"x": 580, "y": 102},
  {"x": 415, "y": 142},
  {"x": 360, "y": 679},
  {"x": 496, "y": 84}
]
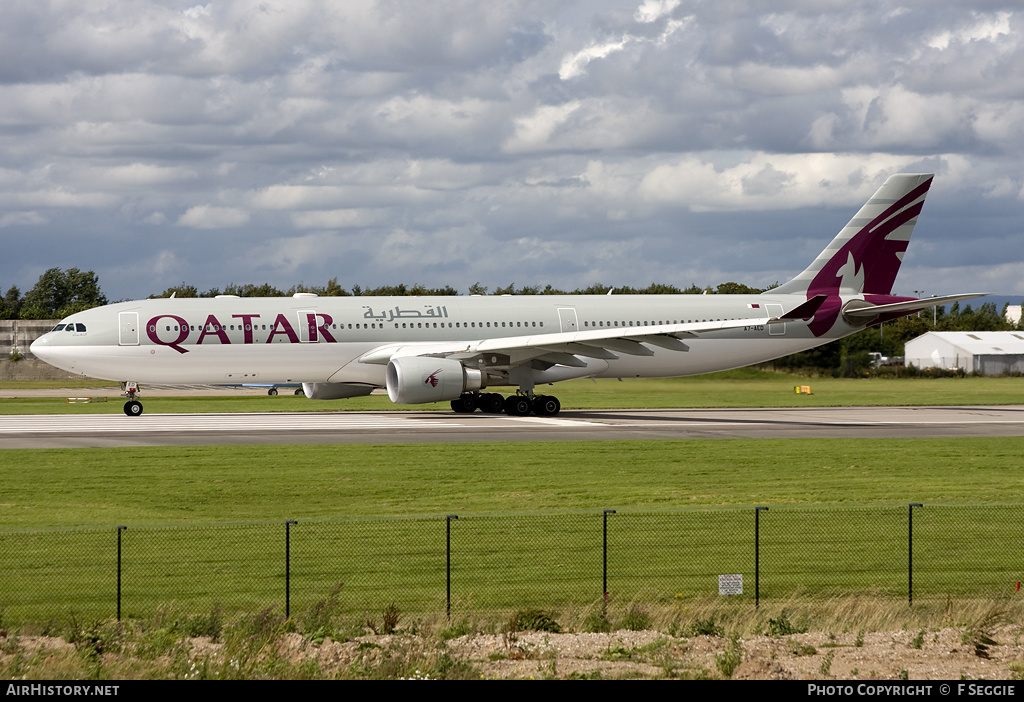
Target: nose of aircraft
[{"x": 40, "y": 347}]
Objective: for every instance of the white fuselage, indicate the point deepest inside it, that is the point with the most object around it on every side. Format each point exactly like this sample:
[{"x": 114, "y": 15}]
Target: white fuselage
[{"x": 322, "y": 339}]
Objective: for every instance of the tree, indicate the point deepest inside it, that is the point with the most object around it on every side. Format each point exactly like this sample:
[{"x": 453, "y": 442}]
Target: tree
[
  {"x": 736, "y": 289},
  {"x": 10, "y": 304},
  {"x": 253, "y": 290},
  {"x": 332, "y": 289},
  {"x": 60, "y": 293},
  {"x": 182, "y": 290}
]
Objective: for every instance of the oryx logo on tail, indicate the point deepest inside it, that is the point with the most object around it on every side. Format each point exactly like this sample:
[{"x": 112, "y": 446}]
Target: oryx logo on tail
[{"x": 865, "y": 256}]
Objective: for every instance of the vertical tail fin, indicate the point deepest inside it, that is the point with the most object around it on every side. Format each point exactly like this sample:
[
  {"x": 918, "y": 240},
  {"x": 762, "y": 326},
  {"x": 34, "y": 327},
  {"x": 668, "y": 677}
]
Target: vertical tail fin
[{"x": 866, "y": 255}]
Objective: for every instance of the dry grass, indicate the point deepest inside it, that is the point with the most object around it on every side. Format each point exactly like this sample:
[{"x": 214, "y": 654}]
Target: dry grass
[{"x": 858, "y": 637}]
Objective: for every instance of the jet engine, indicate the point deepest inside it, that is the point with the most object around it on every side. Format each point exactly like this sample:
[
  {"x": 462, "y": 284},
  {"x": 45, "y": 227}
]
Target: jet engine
[
  {"x": 335, "y": 391},
  {"x": 413, "y": 380}
]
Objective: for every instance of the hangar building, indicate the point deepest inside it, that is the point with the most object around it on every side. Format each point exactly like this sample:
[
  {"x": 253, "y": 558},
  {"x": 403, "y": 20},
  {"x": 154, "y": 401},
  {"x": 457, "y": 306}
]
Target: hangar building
[{"x": 988, "y": 353}]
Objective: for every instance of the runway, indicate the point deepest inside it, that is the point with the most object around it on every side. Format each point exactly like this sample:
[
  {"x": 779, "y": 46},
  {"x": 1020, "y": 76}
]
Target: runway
[{"x": 116, "y": 429}]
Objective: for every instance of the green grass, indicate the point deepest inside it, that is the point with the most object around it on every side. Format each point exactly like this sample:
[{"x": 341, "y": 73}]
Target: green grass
[
  {"x": 86, "y": 487},
  {"x": 740, "y": 388},
  {"x": 56, "y": 384},
  {"x": 528, "y": 532},
  {"x": 529, "y": 526}
]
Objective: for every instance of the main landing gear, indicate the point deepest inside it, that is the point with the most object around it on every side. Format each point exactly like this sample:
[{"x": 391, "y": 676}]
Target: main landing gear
[
  {"x": 133, "y": 408},
  {"x": 514, "y": 405}
]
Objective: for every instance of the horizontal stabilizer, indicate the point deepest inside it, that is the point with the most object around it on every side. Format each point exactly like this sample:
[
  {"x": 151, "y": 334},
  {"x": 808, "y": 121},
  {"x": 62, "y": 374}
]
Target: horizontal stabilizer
[
  {"x": 807, "y": 309},
  {"x": 861, "y": 310}
]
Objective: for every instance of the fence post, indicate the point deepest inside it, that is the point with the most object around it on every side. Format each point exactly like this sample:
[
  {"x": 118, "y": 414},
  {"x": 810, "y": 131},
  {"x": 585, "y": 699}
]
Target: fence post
[
  {"x": 119, "y": 530},
  {"x": 757, "y": 556},
  {"x": 288, "y": 567},
  {"x": 448, "y": 563},
  {"x": 910, "y": 551},
  {"x": 604, "y": 551}
]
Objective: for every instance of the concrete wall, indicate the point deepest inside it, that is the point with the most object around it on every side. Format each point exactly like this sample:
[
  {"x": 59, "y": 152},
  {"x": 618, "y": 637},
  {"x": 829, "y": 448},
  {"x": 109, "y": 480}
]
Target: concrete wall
[
  {"x": 32, "y": 369},
  {"x": 16, "y": 335}
]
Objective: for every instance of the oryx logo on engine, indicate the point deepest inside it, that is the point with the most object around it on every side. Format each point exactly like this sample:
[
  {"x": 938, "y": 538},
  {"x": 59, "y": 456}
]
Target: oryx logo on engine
[{"x": 431, "y": 379}]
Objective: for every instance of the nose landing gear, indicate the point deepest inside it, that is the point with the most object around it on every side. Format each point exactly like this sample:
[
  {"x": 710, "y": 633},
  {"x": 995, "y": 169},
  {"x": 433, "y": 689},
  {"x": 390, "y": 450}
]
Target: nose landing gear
[{"x": 132, "y": 408}]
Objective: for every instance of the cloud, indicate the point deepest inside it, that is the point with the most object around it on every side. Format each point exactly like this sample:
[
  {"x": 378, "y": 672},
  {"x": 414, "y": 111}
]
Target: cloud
[
  {"x": 333, "y": 219},
  {"x": 533, "y": 131},
  {"x": 652, "y": 10},
  {"x": 574, "y": 64},
  {"x": 984, "y": 27},
  {"x": 456, "y": 141},
  {"x": 210, "y": 217},
  {"x": 26, "y": 219}
]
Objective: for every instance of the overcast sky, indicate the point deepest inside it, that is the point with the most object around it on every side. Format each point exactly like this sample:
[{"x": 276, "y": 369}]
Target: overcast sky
[{"x": 449, "y": 142}]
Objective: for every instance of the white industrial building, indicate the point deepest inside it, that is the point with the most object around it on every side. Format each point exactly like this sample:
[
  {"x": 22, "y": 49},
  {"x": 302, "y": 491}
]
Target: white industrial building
[{"x": 988, "y": 353}]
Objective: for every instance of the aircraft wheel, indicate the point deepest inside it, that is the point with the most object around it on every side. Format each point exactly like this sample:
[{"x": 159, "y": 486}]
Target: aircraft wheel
[
  {"x": 272, "y": 391},
  {"x": 464, "y": 405},
  {"x": 300, "y": 391},
  {"x": 546, "y": 405},
  {"x": 517, "y": 405},
  {"x": 133, "y": 408},
  {"x": 492, "y": 403}
]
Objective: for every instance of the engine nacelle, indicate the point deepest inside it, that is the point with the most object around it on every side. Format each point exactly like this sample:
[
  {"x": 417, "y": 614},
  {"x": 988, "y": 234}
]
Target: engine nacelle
[
  {"x": 413, "y": 380},
  {"x": 335, "y": 391}
]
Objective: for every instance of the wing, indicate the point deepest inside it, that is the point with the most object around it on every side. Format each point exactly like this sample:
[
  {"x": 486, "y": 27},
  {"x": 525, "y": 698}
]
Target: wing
[{"x": 569, "y": 348}]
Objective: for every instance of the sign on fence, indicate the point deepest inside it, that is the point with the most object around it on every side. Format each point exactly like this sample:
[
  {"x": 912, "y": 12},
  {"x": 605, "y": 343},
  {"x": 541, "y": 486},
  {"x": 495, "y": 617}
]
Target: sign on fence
[{"x": 730, "y": 584}]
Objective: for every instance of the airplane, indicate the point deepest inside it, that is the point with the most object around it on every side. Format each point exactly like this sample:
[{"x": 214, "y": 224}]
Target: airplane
[{"x": 437, "y": 349}]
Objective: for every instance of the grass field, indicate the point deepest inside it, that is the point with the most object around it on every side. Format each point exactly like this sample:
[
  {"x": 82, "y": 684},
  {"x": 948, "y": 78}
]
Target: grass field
[
  {"x": 529, "y": 526},
  {"x": 746, "y": 387},
  {"x": 160, "y": 485},
  {"x": 206, "y": 524}
]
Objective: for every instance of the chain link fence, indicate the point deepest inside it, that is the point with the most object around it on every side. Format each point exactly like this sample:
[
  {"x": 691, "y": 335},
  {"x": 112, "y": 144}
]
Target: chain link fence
[{"x": 493, "y": 565}]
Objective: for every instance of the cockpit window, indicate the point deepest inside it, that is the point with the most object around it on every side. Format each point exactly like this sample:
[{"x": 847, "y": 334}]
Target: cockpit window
[
  {"x": 70, "y": 328},
  {"x": 59, "y": 327},
  {"x": 79, "y": 327}
]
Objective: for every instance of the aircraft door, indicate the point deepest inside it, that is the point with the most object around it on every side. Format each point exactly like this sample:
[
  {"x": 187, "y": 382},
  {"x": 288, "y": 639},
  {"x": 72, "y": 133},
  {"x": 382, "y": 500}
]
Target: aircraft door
[
  {"x": 777, "y": 328},
  {"x": 128, "y": 329},
  {"x": 308, "y": 330},
  {"x": 567, "y": 319}
]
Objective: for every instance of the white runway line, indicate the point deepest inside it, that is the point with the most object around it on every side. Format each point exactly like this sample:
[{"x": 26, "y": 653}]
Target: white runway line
[
  {"x": 555, "y": 422},
  {"x": 116, "y": 424}
]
